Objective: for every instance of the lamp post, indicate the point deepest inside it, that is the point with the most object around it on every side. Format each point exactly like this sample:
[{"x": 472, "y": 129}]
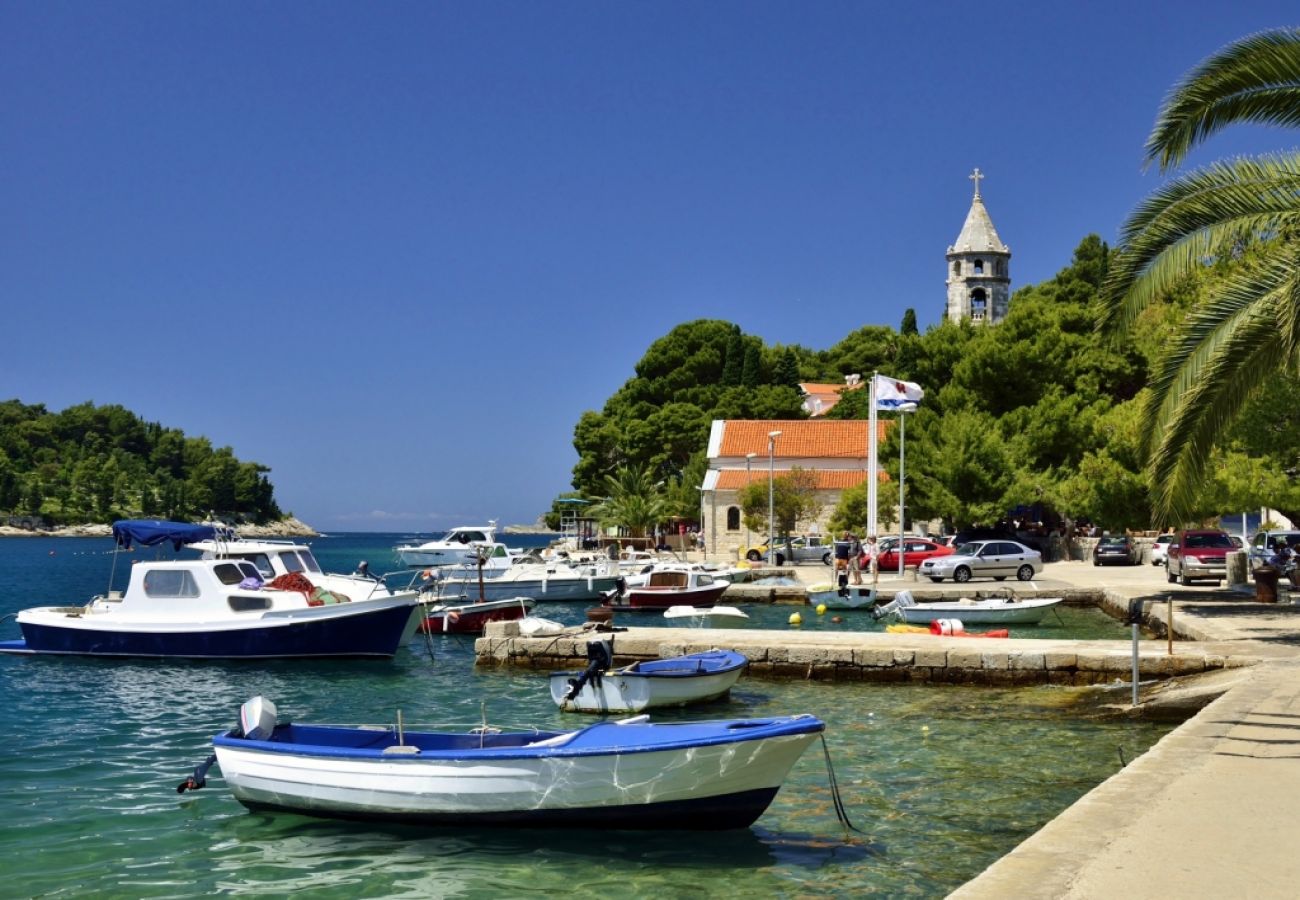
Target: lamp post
[
  {"x": 771, "y": 496},
  {"x": 749, "y": 457},
  {"x": 902, "y": 456}
]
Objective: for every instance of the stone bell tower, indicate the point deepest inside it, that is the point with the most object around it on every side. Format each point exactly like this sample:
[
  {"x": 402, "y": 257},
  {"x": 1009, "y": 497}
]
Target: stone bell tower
[{"x": 979, "y": 275}]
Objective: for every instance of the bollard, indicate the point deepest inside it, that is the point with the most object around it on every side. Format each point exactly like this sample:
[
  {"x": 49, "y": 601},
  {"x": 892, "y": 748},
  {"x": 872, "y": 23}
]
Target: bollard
[{"x": 1134, "y": 618}]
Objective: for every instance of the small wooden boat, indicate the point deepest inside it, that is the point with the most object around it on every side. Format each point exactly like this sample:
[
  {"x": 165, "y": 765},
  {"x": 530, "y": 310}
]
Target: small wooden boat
[
  {"x": 470, "y": 618},
  {"x": 720, "y": 616},
  {"x": 852, "y": 596},
  {"x": 669, "y": 587},
  {"x": 612, "y": 774},
  {"x": 676, "y": 681},
  {"x": 991, "y": 611}
]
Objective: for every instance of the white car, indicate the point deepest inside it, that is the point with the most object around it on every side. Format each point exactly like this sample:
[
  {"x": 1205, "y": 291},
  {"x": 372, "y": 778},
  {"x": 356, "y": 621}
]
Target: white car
[
  {"x": 1160, "y": 549},
  {"x": 985, "y": 559}
]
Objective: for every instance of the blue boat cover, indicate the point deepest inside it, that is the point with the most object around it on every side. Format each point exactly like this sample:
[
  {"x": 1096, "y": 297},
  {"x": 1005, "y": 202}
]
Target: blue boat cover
[{"x": 149, "y": 532}]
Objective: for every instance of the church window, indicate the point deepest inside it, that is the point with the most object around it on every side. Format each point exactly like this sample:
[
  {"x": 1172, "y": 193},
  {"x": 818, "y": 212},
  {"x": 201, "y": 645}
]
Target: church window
[
  {"x": 956, "y": 267},
  {"x": 979, "y": 267},
  {"x": 733, "y": 518},
  {"x": 978, "y": 305}
]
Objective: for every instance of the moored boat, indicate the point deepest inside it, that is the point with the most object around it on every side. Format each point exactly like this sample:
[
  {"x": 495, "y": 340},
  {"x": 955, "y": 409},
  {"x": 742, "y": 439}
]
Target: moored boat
[
  {"x": 676, "y": 681},
  {"x": 990, "y": 611},
  {"x": 471, "y": 618},
  {"x": 212, "y": 608},
  {"x": 852, "y": 596},
  {"x": 630, "y": 773},
  {"x": 458, "y": 547},
  {"x": 668, "y": 587}
]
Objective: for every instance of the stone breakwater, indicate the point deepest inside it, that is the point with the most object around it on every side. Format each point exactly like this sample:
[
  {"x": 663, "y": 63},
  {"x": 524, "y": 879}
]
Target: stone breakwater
[{"x": 871, "y": 656}]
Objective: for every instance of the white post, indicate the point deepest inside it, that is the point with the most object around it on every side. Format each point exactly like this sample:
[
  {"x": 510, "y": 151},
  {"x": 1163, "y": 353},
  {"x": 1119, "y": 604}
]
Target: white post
[
  {"x": 771, "y": 496},
  {"x": 902, "y": 444},
  {"x": 872, "y": 475},
  {"x": 749, "y": 457}
]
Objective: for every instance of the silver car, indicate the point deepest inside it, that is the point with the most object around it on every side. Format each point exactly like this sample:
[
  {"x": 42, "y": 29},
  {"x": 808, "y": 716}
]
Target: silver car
[{"x": 985, "y": 559}]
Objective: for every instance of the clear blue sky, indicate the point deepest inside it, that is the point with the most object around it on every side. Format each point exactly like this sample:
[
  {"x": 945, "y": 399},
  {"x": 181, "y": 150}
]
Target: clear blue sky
[{"x": 394, "y": 250}]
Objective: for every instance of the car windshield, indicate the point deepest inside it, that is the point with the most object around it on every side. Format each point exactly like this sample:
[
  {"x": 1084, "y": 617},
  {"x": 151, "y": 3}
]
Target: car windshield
[
  {"x": 971, "y": 549},
  {"x": 1112, "y": 542},
  {"x": 1208, "y": 540}
]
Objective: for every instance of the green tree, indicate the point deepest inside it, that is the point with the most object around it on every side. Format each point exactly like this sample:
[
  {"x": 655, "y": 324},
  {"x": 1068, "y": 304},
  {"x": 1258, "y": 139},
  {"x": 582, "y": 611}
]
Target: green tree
[
  {"x": 794, "y": 501},
  {"x": 1246, "y": 211},
  {"x": 908, "y": 326},
  {"x": 632, "y": 501}
]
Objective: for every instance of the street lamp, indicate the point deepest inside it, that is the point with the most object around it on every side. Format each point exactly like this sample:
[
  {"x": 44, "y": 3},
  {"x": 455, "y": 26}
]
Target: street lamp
[
  {"x": 749, "y": 457},
  {"x": 903, "y": 410},
  {"x": 771, "y": 496}
]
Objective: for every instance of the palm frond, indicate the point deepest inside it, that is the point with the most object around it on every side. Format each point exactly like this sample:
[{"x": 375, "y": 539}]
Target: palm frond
[{"x": 1255, "y": 79}]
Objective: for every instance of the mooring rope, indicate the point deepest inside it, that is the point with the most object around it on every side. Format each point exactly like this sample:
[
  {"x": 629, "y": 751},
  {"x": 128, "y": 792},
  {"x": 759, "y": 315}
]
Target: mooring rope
[{"x": 840, "y": 812}]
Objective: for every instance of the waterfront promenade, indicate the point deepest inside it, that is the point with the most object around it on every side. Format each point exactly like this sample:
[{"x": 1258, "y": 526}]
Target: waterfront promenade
[{"x": 1213, "y": 809}]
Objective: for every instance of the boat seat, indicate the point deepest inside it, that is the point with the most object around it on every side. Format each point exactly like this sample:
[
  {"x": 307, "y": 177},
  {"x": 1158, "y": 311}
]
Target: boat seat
[{"x": 401, "y": 750}]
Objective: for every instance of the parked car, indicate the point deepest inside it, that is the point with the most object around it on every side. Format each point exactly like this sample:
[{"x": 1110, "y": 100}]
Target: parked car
[
  {"x": 915, "y": 552},
  {"x": 1264, "y": 543},
  {"x": 1160, "y": 549},
  {"x": 1120, "y": 549},
  {"x": 1198, "y": 555},
  {"x": 804, "y": 548},
  {"x": 984, "y": 559}
]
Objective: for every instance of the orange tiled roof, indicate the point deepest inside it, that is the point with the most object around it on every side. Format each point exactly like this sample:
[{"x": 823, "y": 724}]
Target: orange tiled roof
[
  {"x": 827, "y": 479},
  {"x": 820, "y": 398},
  {"x": 801, "y": 438}
]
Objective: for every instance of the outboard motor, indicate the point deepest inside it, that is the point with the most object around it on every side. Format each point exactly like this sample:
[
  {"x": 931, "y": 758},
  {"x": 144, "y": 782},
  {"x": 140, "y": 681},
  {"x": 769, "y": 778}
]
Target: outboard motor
[
  {"x": 600, "y": 659},
  {"x": 363, "y": 569}
]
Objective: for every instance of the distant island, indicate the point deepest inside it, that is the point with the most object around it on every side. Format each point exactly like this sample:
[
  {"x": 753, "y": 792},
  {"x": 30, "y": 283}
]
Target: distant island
[{"x": 287, "y": 527}]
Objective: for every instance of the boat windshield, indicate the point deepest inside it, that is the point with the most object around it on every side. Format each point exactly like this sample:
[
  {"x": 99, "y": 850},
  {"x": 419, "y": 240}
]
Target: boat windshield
[{"x": 309, "y": 561}]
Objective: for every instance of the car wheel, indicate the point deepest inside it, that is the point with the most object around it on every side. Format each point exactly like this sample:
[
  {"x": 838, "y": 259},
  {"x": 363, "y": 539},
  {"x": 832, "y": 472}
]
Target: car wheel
[
  {"x": 780, "y": 559},
  {"x": 1183, "y": 579},
  {"x": 826, "y": 559},
  {"x": 1169, "y": 575},
  {"x": 935, "y": 579},
  {"x": 1024, "y": 573},
  {"x": 1096, "y": 562},
  {"x": 962, "y": 575},
  {"x": 753, "y": 556}
]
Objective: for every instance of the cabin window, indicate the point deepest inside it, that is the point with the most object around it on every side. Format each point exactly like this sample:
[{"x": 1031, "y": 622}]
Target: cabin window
[
  {"x": 291, "y": 562},
  {"x": 228, "y": 573},
  {"x": 245, "y": 603},
  {"x": 264, "y": 568},
  {"x": 170, "y": 583},
  {"x": 733, "y": 518},
  {"x": 309, "y": 561}
]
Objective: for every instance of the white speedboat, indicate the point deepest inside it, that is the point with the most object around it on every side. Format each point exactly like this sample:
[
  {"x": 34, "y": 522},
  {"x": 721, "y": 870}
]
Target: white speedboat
[
  {"x": 540, "y": 581},
  {"x": 213, "y": 608},
  {"x": 853, "y": 596},
  {"x": 612, "y": 774},
  {"x": 991, "y": 611},
  {"x": 717, "y": 616},
  {"x": 458, "y": 547},
  {"x": 677, "y": 681}
]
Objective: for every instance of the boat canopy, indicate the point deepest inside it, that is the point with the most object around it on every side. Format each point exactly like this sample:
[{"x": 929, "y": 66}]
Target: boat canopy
[{"x": 149, "y": 532}]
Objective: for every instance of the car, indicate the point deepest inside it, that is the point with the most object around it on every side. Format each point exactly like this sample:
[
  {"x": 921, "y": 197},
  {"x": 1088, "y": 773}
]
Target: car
[
  {"x": 984, "y": 559},
  {"x": 915, "y": 552},
  {"x": 803, "y": 548},
  {"x": 1198, "y": 555},
  {"x": 1119, "y": 549},
  {"x": 1160, "y": 548},
  {"x": 1264, "y": 543}
]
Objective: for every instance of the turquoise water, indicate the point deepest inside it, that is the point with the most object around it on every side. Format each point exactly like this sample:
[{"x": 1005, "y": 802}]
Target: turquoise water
[{"x": 944, "y": 780}]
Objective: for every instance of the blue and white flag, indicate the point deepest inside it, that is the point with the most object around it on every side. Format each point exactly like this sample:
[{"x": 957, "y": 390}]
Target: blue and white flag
[{"x": 892, "y": 393}]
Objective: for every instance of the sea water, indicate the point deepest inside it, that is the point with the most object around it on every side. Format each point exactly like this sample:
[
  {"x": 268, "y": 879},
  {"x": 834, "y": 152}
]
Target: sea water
[{"x": 942, "y": 780}]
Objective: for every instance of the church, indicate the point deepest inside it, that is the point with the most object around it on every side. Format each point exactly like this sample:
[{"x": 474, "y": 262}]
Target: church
[{"x": 742, "y": 451}]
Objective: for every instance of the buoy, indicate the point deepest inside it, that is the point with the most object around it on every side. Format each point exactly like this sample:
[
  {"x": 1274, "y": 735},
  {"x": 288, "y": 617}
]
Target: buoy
[
  {"x": 925, "y": 727},
  {"x": 821, "y": 609},
  {"x": 796, "y": 619},
  {"x": 836, "y": 619},
  {"x": 947, "y": 626}
]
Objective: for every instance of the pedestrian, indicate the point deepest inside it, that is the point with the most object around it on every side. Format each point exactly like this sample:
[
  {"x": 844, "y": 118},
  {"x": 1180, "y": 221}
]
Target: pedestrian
[
  {"x": 855, "y": 558},
  {"x": 842, "y": 558},
  {"x": 871, "y": 556}
]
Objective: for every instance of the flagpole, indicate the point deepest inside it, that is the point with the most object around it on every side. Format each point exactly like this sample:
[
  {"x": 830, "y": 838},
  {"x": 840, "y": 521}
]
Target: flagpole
[{"x": 872, "y": 476}]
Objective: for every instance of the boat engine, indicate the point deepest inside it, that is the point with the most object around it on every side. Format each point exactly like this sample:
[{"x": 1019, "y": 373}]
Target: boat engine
[{"x": 600, "y": 659}]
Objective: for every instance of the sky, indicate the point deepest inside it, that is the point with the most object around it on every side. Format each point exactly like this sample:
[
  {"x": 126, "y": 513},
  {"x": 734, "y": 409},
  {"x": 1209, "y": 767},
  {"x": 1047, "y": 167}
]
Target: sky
[{"x": 394, "y": 250}]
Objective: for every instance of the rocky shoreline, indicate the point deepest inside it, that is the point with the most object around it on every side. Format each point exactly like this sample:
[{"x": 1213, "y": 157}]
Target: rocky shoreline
[{"x": 290, "y": 527}]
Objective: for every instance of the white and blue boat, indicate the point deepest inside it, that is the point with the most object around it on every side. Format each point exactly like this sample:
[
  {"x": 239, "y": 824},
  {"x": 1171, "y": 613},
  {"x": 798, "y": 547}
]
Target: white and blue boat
[
  {"x": 613, "y": 774},
  {"x": 676, "y": 681},
  {"x": 213, "y": 609}
]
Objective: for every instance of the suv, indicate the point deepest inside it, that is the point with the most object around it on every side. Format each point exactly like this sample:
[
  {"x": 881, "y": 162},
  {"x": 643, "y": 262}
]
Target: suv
[
  {"x": 804, "y": 548},
  {"x": 1198, "y": 554}
]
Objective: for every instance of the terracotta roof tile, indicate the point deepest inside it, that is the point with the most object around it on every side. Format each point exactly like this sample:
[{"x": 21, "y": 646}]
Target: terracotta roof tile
[
  {"x": 827, "y": 479},
  {"x": 800, "y": 438}
]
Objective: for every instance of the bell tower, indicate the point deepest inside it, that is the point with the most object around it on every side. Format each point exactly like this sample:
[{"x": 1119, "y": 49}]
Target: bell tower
[{"x": 979, "y": 268}]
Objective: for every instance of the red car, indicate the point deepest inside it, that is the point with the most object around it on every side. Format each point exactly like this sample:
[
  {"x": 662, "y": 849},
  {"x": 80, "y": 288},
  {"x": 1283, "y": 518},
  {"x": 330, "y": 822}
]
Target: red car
[
  {"x": 1198, "y": 554},
  {"x": 915, "y": 551}
]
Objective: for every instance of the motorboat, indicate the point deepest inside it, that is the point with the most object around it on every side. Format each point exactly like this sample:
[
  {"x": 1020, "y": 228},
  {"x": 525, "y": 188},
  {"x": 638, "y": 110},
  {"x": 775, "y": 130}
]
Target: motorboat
[
  {"x": 212, "y": 608},
  {"x": 281, "y": 558},
  {"x": 676, "y": 681},
  {"x": 457, "y": 547},
  {"x": 667, "y": 587},
  {"x": 471, "y": 618},
  {"x": 555, "y": 580},
  {"x": 722, "y": 616},
  {"x": 628, "y": 773},
  {"x": 990, "y": 611},
  {"x": 851, "y": 596}
]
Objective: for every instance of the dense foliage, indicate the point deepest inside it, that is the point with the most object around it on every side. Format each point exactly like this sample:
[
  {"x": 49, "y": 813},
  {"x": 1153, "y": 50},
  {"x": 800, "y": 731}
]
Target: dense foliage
[{"x": 95, "y": 464}]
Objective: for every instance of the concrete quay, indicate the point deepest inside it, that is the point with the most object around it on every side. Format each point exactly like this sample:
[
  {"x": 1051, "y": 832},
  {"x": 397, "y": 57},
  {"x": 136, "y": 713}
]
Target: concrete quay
[{"x": 1213, "y": 809}]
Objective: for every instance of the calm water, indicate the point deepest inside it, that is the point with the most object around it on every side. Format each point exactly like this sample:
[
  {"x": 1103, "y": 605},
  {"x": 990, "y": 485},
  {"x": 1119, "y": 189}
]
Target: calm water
[{"x": 944, "y": 780}]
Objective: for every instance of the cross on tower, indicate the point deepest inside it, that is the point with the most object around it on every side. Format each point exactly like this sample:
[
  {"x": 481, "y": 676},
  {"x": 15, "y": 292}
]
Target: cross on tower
[{"x": 975, "y": 177}]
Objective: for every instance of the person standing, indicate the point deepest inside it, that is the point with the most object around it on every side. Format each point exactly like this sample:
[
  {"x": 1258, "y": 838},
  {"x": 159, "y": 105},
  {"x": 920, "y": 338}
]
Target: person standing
[{"x": 855, "y": 558}]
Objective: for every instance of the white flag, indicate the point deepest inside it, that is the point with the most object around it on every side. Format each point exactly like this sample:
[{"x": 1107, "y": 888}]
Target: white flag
[{"x": 892, "y": 393}]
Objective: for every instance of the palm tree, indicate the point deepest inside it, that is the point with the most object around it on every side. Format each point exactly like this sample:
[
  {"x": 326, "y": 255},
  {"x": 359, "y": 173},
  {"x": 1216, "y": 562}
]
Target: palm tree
[
  {"x": 633, "y": 501},
  {"x": 1251, "y": 329}
]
